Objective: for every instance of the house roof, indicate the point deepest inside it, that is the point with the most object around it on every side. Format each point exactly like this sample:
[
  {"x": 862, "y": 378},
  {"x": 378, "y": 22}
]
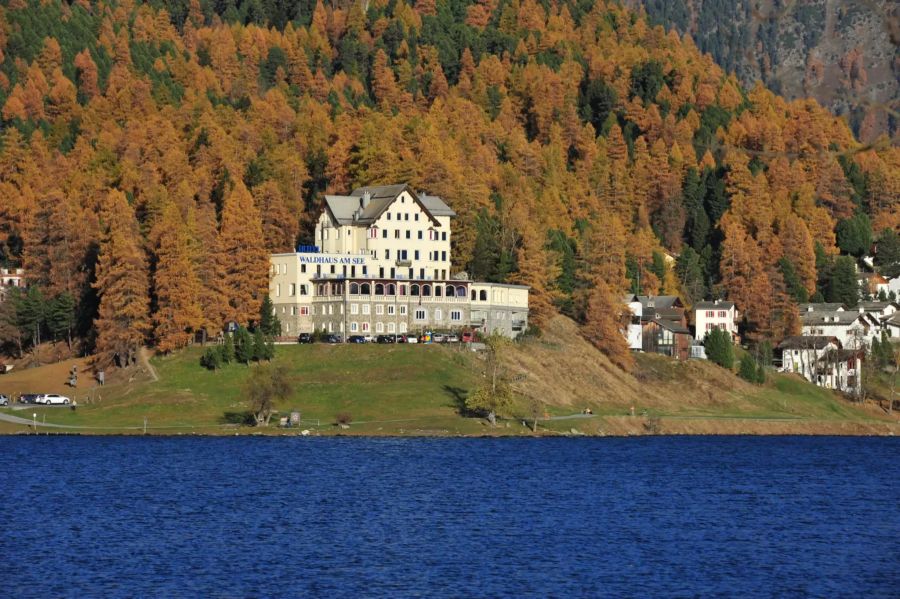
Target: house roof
[
  {"x": 822, "y": 307},
  {"x": 840, "y": 354},
  {"x": 365, "y": 205},
  {"x": 808, "y": 342},
  {"x": 876, "y": 306},
  {"x": 659, "y": 301},
  {"x": 672, "y": 325},
  {"x": 716, "y": 305},
  {"x": 843, "y": 318}
]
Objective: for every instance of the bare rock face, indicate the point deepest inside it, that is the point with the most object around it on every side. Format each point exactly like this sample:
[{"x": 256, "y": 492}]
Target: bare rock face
[{"x": 843, "y": 53}]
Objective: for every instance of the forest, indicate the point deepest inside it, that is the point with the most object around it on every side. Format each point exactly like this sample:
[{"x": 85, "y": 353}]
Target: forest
[{"x": 152, "y": 155}]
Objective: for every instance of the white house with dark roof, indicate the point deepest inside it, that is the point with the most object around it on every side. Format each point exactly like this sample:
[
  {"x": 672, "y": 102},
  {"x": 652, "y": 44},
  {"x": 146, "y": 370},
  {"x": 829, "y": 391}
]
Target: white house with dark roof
[
  {"x": 381, "y": 264},
  {"x": 854, "y": 329},
  {"x": 800, "y": 354},
  {"x": 718, "y": 314}
]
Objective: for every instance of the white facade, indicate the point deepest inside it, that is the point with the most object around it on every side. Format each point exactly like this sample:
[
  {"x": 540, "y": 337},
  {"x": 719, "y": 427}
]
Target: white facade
[
  {"x": 634, "y": 331},
  {"x": 801, "y": 354},
  {"x": 854, "y": 330},
  {"x": 382, "y": 265},
  {"x": 719, "y": 314}
]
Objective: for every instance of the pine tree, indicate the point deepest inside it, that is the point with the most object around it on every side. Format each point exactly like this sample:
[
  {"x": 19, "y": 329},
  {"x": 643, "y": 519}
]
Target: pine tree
[
  {"x": 242, "y": 256},
  {"x": 122, "y": 285},
  {"x": 268, "y": 321},
  {"x": 747, "y": 369},
  {"x": 842, "y": 285},
  {"x": 175, "y": 283},
  {"x": 61, "y": 317},
  {"x": 243, "y": 346},
  {"x": 719, "y": 348},
  {"x": 887, "y": 257}
]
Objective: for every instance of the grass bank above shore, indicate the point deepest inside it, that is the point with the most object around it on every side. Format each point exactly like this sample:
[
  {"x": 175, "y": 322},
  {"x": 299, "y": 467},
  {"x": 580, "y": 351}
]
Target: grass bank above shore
[{"x": 420, "y": 390}]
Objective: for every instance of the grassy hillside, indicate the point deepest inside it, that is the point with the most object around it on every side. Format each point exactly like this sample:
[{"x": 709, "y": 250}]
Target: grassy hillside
[{"x": 418, "y": 390}]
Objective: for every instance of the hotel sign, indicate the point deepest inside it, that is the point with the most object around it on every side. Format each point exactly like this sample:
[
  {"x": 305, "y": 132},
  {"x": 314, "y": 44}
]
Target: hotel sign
[{"x": 325, "y": 259}]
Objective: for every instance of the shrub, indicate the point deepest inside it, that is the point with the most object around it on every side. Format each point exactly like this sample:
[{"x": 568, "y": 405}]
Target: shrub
[
  {"x": 719, "y": 348},
  {"x": 343, "y": 418},
  {"x": 747, "y": 370},
  {"x": 212, "y": 358}
]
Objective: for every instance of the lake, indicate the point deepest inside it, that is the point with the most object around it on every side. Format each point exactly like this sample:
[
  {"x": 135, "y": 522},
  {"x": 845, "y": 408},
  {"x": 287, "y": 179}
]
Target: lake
[{"x": 640, "y": 517}]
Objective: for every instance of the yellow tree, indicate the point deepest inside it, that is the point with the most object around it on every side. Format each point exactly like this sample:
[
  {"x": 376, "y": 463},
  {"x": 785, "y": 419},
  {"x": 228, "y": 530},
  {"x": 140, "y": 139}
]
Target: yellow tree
[
  {"x": 122, "y": 285},
  {"x": 175, "y": 282},
  {"x": 242, "y": 254}
]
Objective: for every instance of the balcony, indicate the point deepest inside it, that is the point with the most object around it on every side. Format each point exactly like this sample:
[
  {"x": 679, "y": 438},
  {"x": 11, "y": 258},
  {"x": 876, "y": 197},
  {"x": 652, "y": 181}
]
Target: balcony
[{"x": 403, "y": 263}]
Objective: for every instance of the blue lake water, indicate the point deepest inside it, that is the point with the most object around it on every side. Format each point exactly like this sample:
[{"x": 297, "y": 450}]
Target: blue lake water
[{"x": 646, "y": 517}]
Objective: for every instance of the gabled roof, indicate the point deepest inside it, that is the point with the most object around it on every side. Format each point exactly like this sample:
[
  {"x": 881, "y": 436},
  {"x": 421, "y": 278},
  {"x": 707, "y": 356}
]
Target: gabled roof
[
  {"x": 672, "y": 325},
  {"x": 808, "y": 342},
  {"x": 876, "y": 306},
  {"x": 843, "y": 318},
  {"x": 659, "y": 301},
  {"x": 834, "y": 355},
  {"x": 716, "y": 305},
  {"x": 365, "y": 205},
  {"x": 822, "y": 307}
]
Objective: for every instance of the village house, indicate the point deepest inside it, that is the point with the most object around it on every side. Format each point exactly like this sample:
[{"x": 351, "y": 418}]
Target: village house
[
  {"x": 633, "y": 332},
  {"x": 822, "y": 361},
  {"x": 880, "y": 310},
  {"x": 9, "y": 278},
  {"x": 822, "y": 307},
  {"x": 717, "y": 314},
  {"x": 381, "y": 264},
  {"x": 872, "y": 284},
  {"x": 854, "y": 329},
  {"x": 664, "y": 327},
  {"x": 800, "y": 354}
]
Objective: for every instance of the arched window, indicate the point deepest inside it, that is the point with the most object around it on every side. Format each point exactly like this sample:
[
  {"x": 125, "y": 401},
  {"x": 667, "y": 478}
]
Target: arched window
[
  {"x": 354, "y": 289},
  {"x": 391, "y": 289},
  {"x": 402, "y": 327},
  {"x": 482, "y": 295},
  {"x": 365, "y": 289},
  {"x": 450, "y": 291},
  {"x": 402, "y": 289},
  {"x": 379, "y": 289},
  {"x": 426, "y": 290},
  {"x": 414, "y": 290},
  {"x": 460, "y": 291}
]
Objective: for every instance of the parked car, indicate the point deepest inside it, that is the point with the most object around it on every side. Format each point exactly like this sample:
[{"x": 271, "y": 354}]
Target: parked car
[
  {"x": 411, "y": 339},
  {"x": 54, "y": 399},
  {"x": 356, "y": 339},
  {"x": 438, "y": 338},
  {"x": 29, "y": 398},
  {"x": 304, "y": 338},
  {"x": 468, "y": 337},
  {"x": 333, "y": 339},
  {"x": 384, "y": 339},
  {"x": 4, "y": 400},
  {"x": 452, "y": 339}
]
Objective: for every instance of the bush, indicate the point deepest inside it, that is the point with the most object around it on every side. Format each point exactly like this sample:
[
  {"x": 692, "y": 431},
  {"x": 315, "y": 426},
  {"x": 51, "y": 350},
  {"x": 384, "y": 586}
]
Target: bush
[
  {"x": 343, "y": 418},
  {"x": 212, "y": 358},
  {"x": 761, "y": 375},
  {"x": 719, "y": 348},
  {"x": 747, "y": 370}
]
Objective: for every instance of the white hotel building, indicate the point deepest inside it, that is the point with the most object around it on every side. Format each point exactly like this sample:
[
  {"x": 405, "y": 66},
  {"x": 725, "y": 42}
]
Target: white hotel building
[{"x": 381, "y": 265}]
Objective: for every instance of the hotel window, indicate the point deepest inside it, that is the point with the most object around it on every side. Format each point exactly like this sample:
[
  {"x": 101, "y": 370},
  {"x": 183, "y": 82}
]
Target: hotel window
[
  {"x": 293, "y": 289},
  {"x": 437, "y": 314},
  {"x": 391, "y": 310},
  {"x": 387, "y": 254},
  {"x": 302, "y": 268},
  {"x": 332, "y": 269},
  {"x": 354, "y": 308},
  {"x": 366, "y": 309},
  {"x": 408, "y": 234},
  {"x": 417, "y": 218},
  {"x": 455, "y": 315},
  {"x": 402, "y": 310},
  {"x": 420, "y": 233},
  {"x": 365, "y": 327},
  {"x": 722, "y": 314},
  {"x": 379, "y": 309},
  {"x": 331, "y": 309},
  {"x": 354, "y": 327},
  {"x": 373, "y": 233},
  {"x": 397, "y": 234},
  {"x": 304, "y": 290},
  {"x": 421, "y": 314},
  {"x": 416, "y": 254},
  {"x": 443, "y": 236},
  {"x": 283, "y": 309},
  {"x": 278, "y": 290},
  {"x": 710, "y": 314},
  {"x": 406, "y": 216},
  {"x": 432, "y": 234},
  {"x": 402, "y": 327},
  {"x": 389, "y": 216},
  {"x": 324, "y": 233},
  {"x": 384, "y": 233},
  {"x": 402, "y": 289},
  {"x": 304, "y": 310},
  {"x": 379, "y": 327},
  {"x": 391, "y": 327},
  {"x": 293, "y": 310}
]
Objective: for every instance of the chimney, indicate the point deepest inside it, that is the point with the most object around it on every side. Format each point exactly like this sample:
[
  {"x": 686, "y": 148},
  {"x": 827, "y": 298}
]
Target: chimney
[{"x": 366, "y": 198}]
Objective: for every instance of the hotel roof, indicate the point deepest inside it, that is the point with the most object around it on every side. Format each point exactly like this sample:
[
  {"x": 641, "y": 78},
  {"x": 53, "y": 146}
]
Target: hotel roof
[{"x": 365, "y": 205}]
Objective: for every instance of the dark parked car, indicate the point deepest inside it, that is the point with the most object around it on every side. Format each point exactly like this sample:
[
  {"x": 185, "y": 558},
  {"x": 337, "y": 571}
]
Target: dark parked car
[
  {"x": 305, "y": 338},
  {"x": 384, "y": 339},
  {"x": 332, "y": 338},
  {"x": 356, "y": 339},
  {"x": 29, "y": 397}
]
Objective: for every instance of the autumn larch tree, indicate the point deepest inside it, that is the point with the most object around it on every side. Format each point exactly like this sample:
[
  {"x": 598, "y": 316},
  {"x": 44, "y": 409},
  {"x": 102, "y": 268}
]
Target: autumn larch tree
[{"x": 122, "y": 285}]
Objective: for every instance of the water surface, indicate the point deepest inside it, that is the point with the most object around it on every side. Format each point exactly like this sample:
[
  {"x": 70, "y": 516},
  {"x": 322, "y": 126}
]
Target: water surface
[{"x": 664, "y": 516}]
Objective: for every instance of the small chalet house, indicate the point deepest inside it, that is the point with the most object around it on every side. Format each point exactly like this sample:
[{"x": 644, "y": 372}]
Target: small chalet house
[
  {"x": 872, "y": 283},
  {"x": 854, "y": 329},
  {"x": 800, "y": 355},
  {"x": 718, "y": 314},
  {"x": 11, "y": 277},
  {"x": 841, "y": 370},
  {"x": 822, "y": 307},
  {"x": 880, "y": 310},
  {"x": 664, "y": 326},
  {"x": 633, "y": 332}
]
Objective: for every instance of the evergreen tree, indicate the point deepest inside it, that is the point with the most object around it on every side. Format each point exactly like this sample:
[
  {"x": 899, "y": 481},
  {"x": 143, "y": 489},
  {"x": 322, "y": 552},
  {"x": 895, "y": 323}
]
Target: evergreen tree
[
  {"x": 228, "y": 352},
  {"x": 854, "y": 235},
  {"x": 887, "y": 258},
  {"x": 843, "y": 286},
  {"x": 31, "y": 314},
  {"x": 747, "y": 368},
  {"x": 243, "y": 346},
  {"x": 259, "y": 345},
  {"x": 690, "y": 273},
  {"x": 719, "y": 348},
  {"x": 792, "y": 281},
  {"x": 61, "y": 317},
  {"x": 268, "y": 321}
]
